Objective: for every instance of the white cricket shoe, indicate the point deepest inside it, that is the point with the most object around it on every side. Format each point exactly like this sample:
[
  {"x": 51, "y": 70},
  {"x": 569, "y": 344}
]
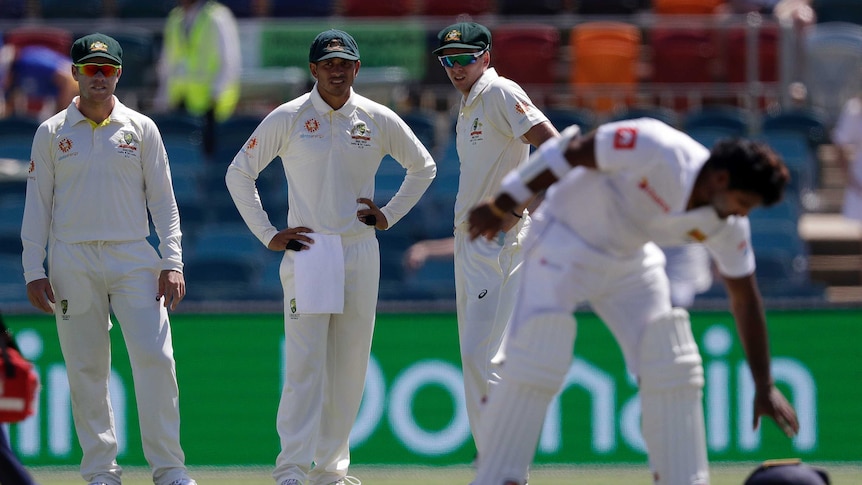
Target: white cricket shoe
[
  {"x": 291, "y": 481},
  {"x": 184, "y": 481}
]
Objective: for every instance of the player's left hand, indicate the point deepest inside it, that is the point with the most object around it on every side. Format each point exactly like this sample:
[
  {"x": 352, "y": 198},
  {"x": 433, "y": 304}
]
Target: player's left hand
[
  {"x": 484, "y": 222},
  {"x": 773, "y": 404},
  {"x": 172, "y": 286},
  {"x": 372, "y": 216}
]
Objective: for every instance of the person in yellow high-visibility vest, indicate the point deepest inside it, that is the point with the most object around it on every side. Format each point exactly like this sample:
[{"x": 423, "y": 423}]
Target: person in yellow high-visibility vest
[{"x": 200, "y": 64}]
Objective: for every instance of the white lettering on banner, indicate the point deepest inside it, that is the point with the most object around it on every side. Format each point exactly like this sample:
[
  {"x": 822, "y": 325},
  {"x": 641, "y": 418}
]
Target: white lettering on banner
[
  {"x": 602, "y": 391},
  {"x": 601, "y": 387},
  {"x": 55, "y": 394},
  {"x": 717, "y": 342},
  {"x": 404, "y": 425}
]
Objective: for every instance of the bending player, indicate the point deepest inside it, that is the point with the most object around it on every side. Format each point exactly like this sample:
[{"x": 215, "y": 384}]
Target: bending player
[{"x": 617, "y": 193}]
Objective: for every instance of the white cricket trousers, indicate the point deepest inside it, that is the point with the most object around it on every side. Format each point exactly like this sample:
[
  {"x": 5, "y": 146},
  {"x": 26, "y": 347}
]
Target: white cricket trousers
[
  {"x": 326, "y": 356},
  {"x": 486, "y": 285},
  {"x": 89, "y": 281}
]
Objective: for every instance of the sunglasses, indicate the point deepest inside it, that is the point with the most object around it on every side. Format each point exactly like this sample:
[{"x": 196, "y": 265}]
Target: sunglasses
[
  {"x": 91, "y": 70},
  {"x": 460, "y": 59}
]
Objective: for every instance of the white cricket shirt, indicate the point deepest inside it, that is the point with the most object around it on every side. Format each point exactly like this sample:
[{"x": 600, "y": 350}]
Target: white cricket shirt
[
  {"x": 646, "y": 173},
  {"x": 95, "y": 184},
  {"x": 330, "y": 158},
  {"x": 492, "y": 120}
]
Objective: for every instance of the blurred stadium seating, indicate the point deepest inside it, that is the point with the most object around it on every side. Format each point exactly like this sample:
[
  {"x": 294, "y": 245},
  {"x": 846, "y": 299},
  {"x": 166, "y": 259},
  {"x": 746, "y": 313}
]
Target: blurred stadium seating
[{"x": 583, "y": 62}]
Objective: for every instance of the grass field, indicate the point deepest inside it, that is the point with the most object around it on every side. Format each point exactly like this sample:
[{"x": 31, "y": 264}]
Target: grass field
[{"x": 587, "y": 475}]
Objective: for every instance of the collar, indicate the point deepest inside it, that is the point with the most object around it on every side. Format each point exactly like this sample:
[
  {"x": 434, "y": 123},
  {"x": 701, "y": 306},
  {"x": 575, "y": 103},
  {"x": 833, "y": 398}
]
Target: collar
[
  {"x": 118, "y": 114},
  {"x": 488, "y": 77},
  {"x": 323, "y": 107}
]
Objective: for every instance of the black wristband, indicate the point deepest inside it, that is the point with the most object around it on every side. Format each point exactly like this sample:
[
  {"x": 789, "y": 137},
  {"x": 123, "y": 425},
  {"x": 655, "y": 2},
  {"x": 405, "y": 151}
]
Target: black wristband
[
  {"x": 294, "y": 245},
  {"x": 519, "y": 216},
  {"x": 371, "y": 220}
]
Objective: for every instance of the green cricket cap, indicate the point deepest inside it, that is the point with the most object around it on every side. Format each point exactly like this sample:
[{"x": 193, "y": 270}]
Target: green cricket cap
[
  {"x": 464, "y": 35},
  {"x": 333, "y": 43},
  {"x": 96, "y": 45}
]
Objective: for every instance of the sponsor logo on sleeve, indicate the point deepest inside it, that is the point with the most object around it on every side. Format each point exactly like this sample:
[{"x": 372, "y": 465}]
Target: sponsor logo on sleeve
[{"x": 625, "y": 138}]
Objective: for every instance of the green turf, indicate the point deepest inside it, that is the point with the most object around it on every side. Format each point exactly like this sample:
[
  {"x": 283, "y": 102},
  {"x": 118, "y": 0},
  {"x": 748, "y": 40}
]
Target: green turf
[{"x": 587, "y": 475}]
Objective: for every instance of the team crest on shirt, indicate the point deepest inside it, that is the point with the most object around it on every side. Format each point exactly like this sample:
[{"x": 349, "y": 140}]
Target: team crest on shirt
[
  {"x": 360, "y": 135},
  {"x": 64, "y": 307},
  {"x": 476, "y": 131},
  {"x": 697, "y": 235},
  {"x": 625, "y": 138},
  {"x": 31, "y": 170},
  {"x": 251, "y": 144},
  {"x": 293, "y": 315},
  {"x": 128, "y": 146}
]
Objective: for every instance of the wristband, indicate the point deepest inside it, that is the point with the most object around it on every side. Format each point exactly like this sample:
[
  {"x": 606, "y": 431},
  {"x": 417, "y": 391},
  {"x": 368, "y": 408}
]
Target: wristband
[
  {"x": 498, "y": 212},
  {"x": 516, "y": 188}
]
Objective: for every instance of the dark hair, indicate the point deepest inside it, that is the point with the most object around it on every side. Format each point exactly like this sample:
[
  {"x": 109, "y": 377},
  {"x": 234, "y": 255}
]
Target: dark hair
[{"x": 752, "y": 167}]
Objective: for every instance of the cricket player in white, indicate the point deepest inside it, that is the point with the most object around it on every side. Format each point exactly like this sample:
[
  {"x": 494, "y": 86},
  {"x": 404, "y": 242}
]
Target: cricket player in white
[
  {"x": 635, "y": 184},
  {"x": 496, "y": 124},
  {"x": 331, "y": 142},
  {"x": 97, "y": 167}
]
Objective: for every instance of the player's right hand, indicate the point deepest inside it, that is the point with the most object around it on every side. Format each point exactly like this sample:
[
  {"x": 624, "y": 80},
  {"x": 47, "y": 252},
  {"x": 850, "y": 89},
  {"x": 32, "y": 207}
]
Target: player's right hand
[
  {"x": 292, "y": 238},
  {"x": 41, "y": 295},
  {"x": 773, "y": 404},
  {"x": 484, "y": 222}
]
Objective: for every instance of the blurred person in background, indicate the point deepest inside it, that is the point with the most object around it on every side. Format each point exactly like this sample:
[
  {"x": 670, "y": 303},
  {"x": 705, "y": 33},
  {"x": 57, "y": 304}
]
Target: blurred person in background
[
  {"x": 847, "y": 136},
  {"x": 200, "y": 66},
  {"x": 36, "y": 80}
]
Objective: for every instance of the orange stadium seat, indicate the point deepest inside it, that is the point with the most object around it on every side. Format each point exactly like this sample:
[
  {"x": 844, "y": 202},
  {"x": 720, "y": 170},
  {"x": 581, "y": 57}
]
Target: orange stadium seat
[
  {"x": 526, "y": 53},
  {"x": 686, "y": 7},
  {"x": 604, "y": 55}
]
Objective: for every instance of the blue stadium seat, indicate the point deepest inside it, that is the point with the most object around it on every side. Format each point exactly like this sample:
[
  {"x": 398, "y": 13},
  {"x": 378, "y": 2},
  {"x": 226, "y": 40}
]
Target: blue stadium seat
[
  {"x": 666, "y": 115},
  {"x": 435, "y": 280},
  {"x": 79, "y": 9},
  {"x": 220, "y": 277},
  {"x": 13, "y": 9},
  {"x": 156, "y": 9},
  {"x": 564, "y": 117},
  {"x": 12, "y": 287},
  {"x": 730, "y": 119},
  {"x": 423, "y": 127}
]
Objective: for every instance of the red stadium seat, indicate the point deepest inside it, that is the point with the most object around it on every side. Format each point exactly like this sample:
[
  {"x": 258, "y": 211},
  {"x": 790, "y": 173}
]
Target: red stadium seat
[
  {"x": 526, "y": 53},
  {"x": 364, "y": 8},
  {"x": 55, "y": 38},
  {"x": 686, "y": 7},
  {"x": 737, "y": 55},
  {"x": 450, "y": 8},
  {"x": 684, "y": 61}
]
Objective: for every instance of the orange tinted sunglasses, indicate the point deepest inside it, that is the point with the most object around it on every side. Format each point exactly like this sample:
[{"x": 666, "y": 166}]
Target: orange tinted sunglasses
[{"x": 91, "y": 70}]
